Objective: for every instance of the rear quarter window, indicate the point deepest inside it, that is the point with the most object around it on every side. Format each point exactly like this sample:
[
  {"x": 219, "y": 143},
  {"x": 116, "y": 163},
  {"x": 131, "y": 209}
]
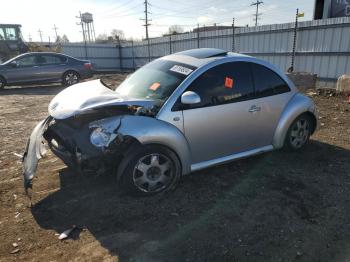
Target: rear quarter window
[{"x": 267, "y": 82}]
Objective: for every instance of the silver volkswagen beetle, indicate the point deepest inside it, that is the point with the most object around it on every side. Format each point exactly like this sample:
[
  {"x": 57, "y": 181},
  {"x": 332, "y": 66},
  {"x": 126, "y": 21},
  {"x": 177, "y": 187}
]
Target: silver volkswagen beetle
[{"x": 178, "y": 114}]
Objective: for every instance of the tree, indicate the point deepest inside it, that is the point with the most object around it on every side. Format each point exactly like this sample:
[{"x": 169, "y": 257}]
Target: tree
[
  {"x": 65, "y": 39},
  {"x": 58, "y": 40},
  {"x": 102, "y": 37},
  {"x": 115, "y": 33},
  {"x": 62, "y": 39},
  {"x": 175, "y": 29}
]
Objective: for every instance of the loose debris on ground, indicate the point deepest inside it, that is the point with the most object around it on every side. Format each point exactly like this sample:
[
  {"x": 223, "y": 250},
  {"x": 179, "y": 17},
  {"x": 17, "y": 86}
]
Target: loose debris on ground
[{"x": 279, "y": 206}]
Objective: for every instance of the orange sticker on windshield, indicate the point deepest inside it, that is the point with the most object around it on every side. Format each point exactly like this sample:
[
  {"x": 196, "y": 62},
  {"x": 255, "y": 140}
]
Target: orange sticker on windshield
[
  {"x": 154, "y": 86},
  {"x": 228, "y": 82}
]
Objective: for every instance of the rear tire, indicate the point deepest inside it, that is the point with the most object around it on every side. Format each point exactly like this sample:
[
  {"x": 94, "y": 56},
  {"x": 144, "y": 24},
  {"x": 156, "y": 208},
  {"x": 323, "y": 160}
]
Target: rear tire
[
  {"x": 299, "y": 133},
  {"x": 149, "y": 170},
  {"x": 70, "y": 78}
]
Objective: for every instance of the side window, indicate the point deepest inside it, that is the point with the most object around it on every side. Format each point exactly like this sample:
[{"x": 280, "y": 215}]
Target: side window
[
  {"x": 226, "y": 83},
  {"x": 10, "y": 33},
  {"x": 51, "y": 59},
  {"x": 26, "y": 61},
  {"x": 267, "y": 82}
]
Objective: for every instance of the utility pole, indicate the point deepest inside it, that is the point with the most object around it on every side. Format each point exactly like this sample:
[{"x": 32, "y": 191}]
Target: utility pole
[
  {"x": 83, "y": 30},
  {"x": 41, "y": 36},
  {"x": 30, "y": 38},
  {"x": 257, "y": 3},
  {"x": 55, "y": 29},
  {"x": 146, "y": 25}
]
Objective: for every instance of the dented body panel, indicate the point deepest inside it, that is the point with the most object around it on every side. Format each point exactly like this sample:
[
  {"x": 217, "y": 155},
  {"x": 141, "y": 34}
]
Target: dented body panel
[{"x": 89, "y": 95}]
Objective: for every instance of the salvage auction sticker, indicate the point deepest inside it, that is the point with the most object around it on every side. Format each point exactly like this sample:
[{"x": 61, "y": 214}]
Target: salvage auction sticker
[{"x": 181, "y": 70}]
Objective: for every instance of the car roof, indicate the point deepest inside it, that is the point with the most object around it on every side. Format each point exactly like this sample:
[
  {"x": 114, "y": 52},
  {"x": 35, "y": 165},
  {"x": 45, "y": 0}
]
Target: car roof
[
  {"x": 201, "y": 56},
  {"x": 204, "y": 56},
  {"x": 38, "y": 53}
]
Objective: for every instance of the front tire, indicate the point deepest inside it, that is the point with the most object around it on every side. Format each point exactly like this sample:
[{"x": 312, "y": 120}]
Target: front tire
[
  {"x": 149, "y": 170},
  {"x": 70, "y": 78},
  {"x": 299, "y": 133}
]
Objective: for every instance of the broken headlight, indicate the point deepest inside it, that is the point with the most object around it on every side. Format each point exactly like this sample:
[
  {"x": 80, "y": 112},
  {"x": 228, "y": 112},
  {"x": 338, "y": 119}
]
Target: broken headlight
[{"x": 100, "y": 137}]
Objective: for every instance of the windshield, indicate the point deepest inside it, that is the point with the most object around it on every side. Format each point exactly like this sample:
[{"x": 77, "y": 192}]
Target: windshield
[{"x": 157, "y": 80}]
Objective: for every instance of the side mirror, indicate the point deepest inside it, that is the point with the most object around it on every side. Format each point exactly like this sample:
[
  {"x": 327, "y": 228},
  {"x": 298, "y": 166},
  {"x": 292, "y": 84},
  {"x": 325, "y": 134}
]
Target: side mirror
[
  {"x": 190, "y": 98},
  {"x": 13, "y": 64}
]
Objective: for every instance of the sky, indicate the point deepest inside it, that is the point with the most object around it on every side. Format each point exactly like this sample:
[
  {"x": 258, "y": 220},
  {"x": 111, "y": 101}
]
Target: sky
[{"x": 126, "y": 14}]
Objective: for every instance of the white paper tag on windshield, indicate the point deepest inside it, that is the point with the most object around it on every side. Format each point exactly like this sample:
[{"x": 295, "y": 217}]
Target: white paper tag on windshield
[{"x": 181, "y": 70}]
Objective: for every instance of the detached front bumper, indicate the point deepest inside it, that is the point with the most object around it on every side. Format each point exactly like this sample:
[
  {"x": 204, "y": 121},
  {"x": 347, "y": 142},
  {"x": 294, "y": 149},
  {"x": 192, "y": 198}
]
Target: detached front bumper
[{"x": 34, "y": 151}]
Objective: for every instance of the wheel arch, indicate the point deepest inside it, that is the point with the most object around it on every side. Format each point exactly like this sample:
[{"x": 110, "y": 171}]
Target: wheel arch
[
  {"x": 151, "y": 131},
  {"x": 297, "y": 106},
  {"x": 71, "y": 70}
]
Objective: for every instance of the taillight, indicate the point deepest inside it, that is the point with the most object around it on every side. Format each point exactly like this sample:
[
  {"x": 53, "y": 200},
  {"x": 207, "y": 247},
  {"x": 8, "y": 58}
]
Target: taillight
[{"x": 88, "y": 65}]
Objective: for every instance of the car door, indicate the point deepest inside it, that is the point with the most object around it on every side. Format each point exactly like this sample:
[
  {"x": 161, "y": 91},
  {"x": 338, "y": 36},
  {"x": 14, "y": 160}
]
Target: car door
[
  {"x": 52, "y": 66},
  {"x": 25, "y": 69},
  {"x": 272, "y": 95},
  {"x": 222, "y": 123}
]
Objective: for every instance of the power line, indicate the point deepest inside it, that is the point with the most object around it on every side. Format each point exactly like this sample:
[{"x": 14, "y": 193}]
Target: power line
[
  {"x": 118, "y": 8},
  {"x": 257, "y": 3}
]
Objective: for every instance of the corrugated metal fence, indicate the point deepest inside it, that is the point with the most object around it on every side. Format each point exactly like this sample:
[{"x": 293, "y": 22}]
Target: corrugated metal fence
[{"x": 323, "y": 46}]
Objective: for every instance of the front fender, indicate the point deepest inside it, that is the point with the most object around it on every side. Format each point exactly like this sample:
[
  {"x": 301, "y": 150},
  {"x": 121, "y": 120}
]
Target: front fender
[
  {"x": 147, "y": 130},
  {"x": 298, "y": 105},
  {"x": 153, "y": 131}
]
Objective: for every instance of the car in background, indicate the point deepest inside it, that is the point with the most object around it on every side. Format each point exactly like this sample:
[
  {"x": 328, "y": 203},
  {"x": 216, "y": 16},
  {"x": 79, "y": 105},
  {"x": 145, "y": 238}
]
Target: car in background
[{"x": 44, "y": 68}]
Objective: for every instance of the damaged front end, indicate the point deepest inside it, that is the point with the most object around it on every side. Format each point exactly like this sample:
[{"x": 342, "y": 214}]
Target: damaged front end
[
  {"x": 84, "y": 137},
  {"x": 87, "y": 143}
]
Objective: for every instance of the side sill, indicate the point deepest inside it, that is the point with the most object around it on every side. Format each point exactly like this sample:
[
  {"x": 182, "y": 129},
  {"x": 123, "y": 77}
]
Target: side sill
[{"x": 225, "y": 159}]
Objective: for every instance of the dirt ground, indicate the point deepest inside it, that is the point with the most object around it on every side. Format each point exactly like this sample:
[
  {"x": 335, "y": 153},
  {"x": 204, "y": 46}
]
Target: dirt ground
[{"x": 278, "y": 206}]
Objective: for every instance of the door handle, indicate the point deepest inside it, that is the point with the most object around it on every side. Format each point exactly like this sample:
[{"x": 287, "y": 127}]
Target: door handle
[{"x": 254, "y": 108}]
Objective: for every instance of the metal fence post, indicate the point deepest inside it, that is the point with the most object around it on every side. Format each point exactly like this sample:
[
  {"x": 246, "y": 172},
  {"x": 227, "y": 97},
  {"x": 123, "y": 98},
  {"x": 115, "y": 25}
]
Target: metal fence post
[
  {"x": 120, "y": 54},
  {"x": 291, "y": 69},
  {"x": 197, "y": 35},
  {"x": 233, "y": 35},
  {"x": 149, "y": 49},
  {"x": 170, "y": 45},
  {"x": 133, "y": 54}
]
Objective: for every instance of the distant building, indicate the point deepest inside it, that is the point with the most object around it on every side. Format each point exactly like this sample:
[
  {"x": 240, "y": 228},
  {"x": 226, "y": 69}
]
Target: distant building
[
  {"x": 331, "y": 8},
  {"x": 211, "y": 28}
]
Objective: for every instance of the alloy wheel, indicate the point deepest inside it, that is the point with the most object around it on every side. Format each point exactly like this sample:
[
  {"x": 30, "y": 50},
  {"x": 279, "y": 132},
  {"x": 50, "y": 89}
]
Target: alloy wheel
[
  {"x": 153, "y": 173},
  {"x": 299, "y": 133},
  {"x": 71, "y": 78}
]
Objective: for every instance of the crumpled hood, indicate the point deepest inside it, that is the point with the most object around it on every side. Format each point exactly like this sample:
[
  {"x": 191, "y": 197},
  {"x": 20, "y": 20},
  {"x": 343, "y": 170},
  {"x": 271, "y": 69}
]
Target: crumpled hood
[{"x": 88, "y": 95}]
